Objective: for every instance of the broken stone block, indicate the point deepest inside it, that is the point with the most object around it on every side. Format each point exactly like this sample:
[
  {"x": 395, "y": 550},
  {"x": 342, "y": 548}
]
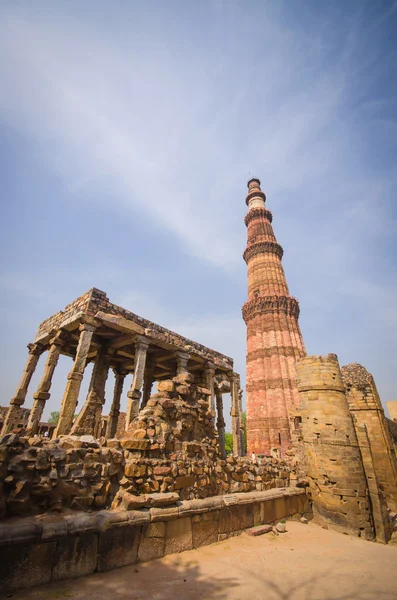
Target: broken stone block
[
  {"x": 259, "y": 530},
  {"x": 166, "y": 386},
  {"x": 281, "y": 527},
  {"x": 134, "y": 470}
]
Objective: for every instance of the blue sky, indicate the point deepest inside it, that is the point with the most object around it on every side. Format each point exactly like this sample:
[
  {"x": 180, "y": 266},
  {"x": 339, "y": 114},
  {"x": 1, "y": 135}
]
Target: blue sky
[{"x": 128, "y": 132}]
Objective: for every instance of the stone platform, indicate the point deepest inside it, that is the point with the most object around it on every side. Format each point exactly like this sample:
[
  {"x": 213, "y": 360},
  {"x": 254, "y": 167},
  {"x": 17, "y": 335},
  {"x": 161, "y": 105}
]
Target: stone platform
[{"x": 37, "y": 550}]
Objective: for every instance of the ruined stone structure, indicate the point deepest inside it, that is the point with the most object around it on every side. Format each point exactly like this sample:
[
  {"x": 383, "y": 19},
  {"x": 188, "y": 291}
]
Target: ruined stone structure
[
  {"x": 392, "y": 407},
  {"x": 350, "y": 458},
  {"x": 372, "y": 429},
  {"x": 93, "y": 329},
  {"x": 24, "y": 419},
  {"x": 274, "y": 339},
  {"x": 170, "y": 447}
]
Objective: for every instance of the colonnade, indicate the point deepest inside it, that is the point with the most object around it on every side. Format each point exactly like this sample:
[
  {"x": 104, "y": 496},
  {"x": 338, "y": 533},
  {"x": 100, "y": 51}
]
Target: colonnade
[{"x": 89, "y": 418}]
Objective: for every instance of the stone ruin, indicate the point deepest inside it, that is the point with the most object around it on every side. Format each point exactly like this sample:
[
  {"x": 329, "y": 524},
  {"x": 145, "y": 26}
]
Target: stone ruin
[
  {"x": 92, "y": 329},
  {"x": 172, "y": 442},
  {"x": 170, "y": 448},
  {"x": 85, "y": 500},
  {"x": 347, "y": 449}
]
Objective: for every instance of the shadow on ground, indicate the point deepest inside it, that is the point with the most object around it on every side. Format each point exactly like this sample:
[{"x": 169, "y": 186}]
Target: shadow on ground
[
  {"x": 149, "y": 581},
  {"x": 159, "y": 581}
]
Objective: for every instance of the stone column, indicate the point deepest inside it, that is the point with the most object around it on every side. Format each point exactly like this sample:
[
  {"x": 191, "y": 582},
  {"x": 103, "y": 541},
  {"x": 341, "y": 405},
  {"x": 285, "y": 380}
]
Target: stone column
[
  {"x": 43, "y": 391},
  {"x": 210, "y": 380},
  {"x": 89, "y": 417},
  {"x": 147, "y": 386},
  {"x": 182, "y": 359},
  {"x": 134, "y": 395},
  {"x": 75, "y": 377},
  {"x": 12, "y": 418},
  {"x": 235, "y": 413},
  {"x": 240, "y": 410},
  {"x": 220, "y": 423},
  {"x": 119, "y": 377}
]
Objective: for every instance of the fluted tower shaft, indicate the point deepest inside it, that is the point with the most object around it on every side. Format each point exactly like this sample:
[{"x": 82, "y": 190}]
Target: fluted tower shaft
[{"x": 274, "y": 339}]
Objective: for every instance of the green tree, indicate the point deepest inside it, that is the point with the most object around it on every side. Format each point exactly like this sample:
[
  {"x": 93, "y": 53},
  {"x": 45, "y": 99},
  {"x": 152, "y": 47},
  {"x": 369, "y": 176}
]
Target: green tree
[
  {"x": 228, "y": 443},
  {"x": 54, "y": 417}
]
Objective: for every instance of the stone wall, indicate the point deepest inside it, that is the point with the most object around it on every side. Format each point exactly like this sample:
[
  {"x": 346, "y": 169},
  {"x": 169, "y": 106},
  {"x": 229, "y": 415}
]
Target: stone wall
[
  {"x": 392, "y": 407},
  {"x": 392, "y": 425},
  {"x": 368, "y": 416},
  {"x": 39, "y": 475},
  {"x": 35, "y": 551},
  {"x": 344, "y": 455},
  {"x": 334, "y": 466}
]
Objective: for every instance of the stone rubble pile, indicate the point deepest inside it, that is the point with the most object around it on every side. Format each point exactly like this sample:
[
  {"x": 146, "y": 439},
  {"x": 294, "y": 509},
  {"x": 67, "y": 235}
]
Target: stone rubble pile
[{"x": 170, "y": 453}]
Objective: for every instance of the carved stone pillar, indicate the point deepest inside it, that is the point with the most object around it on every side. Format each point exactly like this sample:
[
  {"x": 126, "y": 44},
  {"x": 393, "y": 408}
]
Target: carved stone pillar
[
  {"x": 240, "y": 410},
  {"x": 220, "y": 423},
  {"x": 88, "y": 420},
  {"x": 182, "y": 358},
  {"x": 115, "y": 409},
  {"x": 235, "y": 413},
  {"x": 134, "y": 395},
  {"x": 210, "y": 381},
  {"x": 147, "y": 386},
  {"x": 12, "y": 418},
  {"x": 75, "y": 377},
  {"x": 43, "y": 391}
]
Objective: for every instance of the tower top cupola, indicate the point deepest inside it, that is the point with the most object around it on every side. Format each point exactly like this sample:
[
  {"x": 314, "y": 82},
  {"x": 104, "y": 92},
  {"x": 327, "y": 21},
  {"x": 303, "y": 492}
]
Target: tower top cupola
[{"x": 255, "y": 193}]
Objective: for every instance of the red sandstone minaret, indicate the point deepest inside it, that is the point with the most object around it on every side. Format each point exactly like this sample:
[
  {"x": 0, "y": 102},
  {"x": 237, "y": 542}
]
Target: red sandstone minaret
[{"x": 274, "y": 339}]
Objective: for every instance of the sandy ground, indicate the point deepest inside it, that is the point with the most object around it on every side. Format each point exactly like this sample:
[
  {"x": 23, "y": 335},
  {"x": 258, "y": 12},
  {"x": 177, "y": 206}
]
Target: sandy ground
[{"x": 306, "y": 563}]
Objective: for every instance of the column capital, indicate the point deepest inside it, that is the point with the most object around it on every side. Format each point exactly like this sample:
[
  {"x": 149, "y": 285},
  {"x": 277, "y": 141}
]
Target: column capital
[
  {"x": 76, "y": 376},
  {"x": 58, "y": 337},
  {"x": 141, "y": 342},
  {"x": 134, "y": 394},
  {"x": 182, "y": 355},
  {"x": 119, "y": 372},
  {"x": 210, "y": 367},
  {"x": 41, "y": 396},
  {"x": 35, "y": 349},
  {"x": 233, "y": 375},
  {"x": 89, "y": 323},
  {"x": 87, "y": 327}
]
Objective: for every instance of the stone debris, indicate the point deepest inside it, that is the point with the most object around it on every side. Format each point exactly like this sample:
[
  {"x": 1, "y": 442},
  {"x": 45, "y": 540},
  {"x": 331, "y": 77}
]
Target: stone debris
[
  {"x": 281, "y": 527},
  {"x": 170, "y": 453},
  {"x": 259, "y": 530}
]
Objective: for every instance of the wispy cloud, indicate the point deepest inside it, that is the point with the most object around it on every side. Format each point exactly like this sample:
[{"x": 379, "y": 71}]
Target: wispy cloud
[
  {"x": 161, "y": 132},
  {"x": 160, "y": 112}
]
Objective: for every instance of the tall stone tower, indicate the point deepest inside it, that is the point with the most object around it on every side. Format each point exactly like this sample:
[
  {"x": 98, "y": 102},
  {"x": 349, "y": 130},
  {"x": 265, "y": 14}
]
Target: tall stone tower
[{"x": 274, "y": 339}]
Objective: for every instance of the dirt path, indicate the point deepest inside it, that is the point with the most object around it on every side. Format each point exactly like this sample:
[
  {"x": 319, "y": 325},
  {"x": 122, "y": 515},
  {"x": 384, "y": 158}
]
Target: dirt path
[{"x": 307, "y": 563}]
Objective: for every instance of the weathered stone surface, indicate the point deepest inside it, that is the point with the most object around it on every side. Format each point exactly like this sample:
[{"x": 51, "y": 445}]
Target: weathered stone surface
[
  {"x": 178, "y": 536},
  {"x": 205, "y": 531},
  {"x": 118, "y": 547},
  {"x": 33, "y": 561},
  {"x": 75, "y": 556},
  {"x": 236, "y": 518},
  {"x": 151, "y": 548}
]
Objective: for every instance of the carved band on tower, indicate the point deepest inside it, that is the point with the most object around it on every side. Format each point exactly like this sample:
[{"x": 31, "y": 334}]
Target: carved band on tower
[{"x": 274, "y": 339}]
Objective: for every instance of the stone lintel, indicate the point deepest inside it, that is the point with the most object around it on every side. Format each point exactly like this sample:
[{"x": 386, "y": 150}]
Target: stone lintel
[{"x": 120, "y": 323}]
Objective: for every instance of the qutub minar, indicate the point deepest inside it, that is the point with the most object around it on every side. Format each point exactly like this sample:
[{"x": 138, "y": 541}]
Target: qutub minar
[{"x": 274, "y": 338}]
